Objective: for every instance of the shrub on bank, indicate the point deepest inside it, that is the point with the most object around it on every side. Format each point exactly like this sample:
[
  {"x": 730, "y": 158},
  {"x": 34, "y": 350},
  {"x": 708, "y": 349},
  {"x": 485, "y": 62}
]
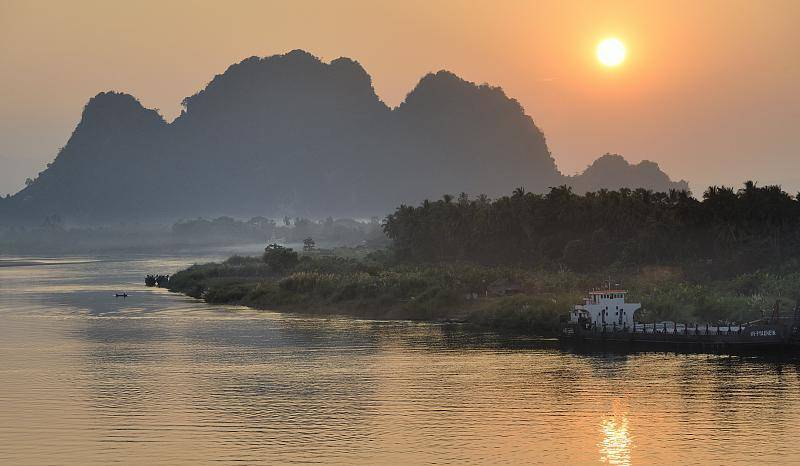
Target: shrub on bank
[
  {"x": 523, "y": 313},
  {"x": 463, "y": 291},
  {"x": 222, "y": 293}
]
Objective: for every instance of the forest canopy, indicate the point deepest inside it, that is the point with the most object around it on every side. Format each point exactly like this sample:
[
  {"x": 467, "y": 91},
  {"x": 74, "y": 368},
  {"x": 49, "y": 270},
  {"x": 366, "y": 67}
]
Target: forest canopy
[{"x": 727, "y": 231}]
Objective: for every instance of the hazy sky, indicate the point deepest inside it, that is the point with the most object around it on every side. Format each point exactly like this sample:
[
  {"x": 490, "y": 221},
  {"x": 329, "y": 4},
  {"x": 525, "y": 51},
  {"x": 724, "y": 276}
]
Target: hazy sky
[{"x": 709, "y": 89}]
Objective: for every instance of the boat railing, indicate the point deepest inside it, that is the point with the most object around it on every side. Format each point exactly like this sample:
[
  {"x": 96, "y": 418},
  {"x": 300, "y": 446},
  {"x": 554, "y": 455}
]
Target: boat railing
[{"x": 672, "y": 328}]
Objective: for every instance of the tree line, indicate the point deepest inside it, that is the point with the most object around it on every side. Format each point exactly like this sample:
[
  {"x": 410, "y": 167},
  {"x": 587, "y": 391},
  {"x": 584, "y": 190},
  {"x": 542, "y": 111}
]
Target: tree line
[{"x": 728, "y": 231}]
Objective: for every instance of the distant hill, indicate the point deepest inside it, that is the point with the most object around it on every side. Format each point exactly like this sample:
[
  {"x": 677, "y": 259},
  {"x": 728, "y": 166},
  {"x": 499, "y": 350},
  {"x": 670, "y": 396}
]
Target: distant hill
[
  {"x": 612, "y": 171},
  {"x": 290, "y": 134}
]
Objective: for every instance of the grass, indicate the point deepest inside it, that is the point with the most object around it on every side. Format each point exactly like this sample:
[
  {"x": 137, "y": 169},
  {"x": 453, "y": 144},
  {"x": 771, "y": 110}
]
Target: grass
[{"x": 372, "y": 286}]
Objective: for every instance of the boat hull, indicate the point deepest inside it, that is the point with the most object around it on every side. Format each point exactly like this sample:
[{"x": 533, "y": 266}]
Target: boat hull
[{"x": 763, "y": 338}]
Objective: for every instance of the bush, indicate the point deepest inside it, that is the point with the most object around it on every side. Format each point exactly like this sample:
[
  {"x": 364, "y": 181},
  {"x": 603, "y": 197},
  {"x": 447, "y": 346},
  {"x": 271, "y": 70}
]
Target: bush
[
  {"x": 309, "y": 282},
  {"x": 228, "y": 293},
  {"x": 279, "y": 259},
  {"x": 314, "y": 282},
  {"x": 523, "y": 313}
]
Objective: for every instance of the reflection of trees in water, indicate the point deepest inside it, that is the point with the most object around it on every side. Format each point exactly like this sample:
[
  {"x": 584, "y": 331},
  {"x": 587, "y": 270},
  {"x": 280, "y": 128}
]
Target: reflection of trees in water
[
  {"x": 274, "y": 388},
  {"x": 287, "y": 388},
  {"x": 297, "y": 386},
  {"x": 292, "y": 387},
  {"x": 365, "y": 336},
  {"x": 752, "y": 387}
]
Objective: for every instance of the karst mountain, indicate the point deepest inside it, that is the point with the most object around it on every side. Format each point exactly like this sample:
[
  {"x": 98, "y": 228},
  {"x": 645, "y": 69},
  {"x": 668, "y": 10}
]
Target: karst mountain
[{"x": 292, "y": 135}]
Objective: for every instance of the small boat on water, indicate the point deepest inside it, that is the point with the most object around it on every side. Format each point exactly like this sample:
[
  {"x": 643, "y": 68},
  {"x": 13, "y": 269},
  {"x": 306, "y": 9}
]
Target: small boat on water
[
  {"x": 605, "y": 319},
  {"x": 121, "y": 295}
]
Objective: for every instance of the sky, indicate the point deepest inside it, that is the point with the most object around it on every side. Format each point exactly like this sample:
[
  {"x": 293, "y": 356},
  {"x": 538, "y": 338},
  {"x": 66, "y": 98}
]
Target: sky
[{"x": 708, "y": 90}]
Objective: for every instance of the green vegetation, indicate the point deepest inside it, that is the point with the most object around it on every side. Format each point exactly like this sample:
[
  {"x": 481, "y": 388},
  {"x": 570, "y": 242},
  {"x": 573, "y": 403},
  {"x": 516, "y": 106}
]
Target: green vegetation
[
  {"x": 727, "y": 233},
  {"x": 366, "y": 286},
  {"x": 160, "y": 281},
  {"x": 374, "y": 287},
  {"x": 521, "y": 262}
]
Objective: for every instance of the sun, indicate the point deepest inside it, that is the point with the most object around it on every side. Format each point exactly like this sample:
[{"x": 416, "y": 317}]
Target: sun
[{"x": 611, "y": 52}]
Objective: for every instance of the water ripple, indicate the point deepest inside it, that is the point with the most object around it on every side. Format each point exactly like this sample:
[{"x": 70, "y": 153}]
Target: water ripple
[{"x": 159, "y": 378}]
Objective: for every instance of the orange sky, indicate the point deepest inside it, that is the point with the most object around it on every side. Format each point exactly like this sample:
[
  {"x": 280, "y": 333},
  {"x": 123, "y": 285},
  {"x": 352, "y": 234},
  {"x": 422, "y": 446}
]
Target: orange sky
[{"x": 709, "y": 90}]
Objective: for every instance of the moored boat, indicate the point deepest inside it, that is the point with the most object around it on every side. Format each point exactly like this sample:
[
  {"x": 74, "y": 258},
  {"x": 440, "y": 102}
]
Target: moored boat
[{"x": 605, "y": 319}]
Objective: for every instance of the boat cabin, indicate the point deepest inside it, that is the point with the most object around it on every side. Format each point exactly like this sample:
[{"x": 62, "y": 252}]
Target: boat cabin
[{"x": 605, "y": 308}]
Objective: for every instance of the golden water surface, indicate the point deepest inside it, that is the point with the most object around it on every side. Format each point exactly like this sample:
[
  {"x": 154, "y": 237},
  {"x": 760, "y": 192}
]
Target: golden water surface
[{"x": 87, "y": 378}]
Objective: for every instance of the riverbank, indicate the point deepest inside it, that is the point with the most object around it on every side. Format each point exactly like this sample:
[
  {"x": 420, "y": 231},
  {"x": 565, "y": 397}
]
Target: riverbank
[
  {"x": 77, "y": 360},
  {"x": 365, "y": 288},
  {"x": 503, "y": 298}
]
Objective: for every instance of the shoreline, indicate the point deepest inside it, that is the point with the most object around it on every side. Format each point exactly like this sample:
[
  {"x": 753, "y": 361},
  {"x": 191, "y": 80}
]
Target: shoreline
[
  {"x": 326, "y": 285},
  {"x": 528, "y": 302},
  {"x": 395, "y": 312},
  {"x": 508, "y": 336}
]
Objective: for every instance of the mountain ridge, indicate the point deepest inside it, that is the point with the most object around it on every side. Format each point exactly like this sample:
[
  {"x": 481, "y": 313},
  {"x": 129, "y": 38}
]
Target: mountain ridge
[{"x": 291, "y": 134}]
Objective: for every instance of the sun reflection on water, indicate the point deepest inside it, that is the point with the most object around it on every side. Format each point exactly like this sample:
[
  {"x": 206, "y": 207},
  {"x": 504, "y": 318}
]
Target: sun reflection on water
[{"x": 616, "y": 443}]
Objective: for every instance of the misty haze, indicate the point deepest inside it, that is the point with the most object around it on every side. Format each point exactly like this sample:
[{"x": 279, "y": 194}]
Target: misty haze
[
  {"x": 290, "y": 135},
  {"x": 399, "y": 233}
]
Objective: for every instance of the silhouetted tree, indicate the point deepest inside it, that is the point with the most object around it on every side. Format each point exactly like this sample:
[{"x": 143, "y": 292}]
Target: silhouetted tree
[
  {"x": 733, "y": 230},
  {"x": 280, "y": 258}
]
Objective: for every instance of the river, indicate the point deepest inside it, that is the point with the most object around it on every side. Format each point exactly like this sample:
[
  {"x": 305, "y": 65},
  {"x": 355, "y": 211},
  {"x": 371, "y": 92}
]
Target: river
[{"x": 87, "y": 378}]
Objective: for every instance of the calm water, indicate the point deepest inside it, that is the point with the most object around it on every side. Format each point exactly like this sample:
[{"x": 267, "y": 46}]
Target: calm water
[{"x": 87, "y": 378}]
